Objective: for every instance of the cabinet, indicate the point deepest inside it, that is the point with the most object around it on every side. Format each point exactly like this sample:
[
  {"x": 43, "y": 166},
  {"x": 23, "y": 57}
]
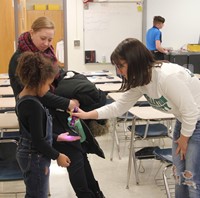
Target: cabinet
[
  {"x": 194, "y": 62},
  {"x": 190, "y": 60},
  {"x": 6, "y": 34},
  {"x": 55, "y": 15}
]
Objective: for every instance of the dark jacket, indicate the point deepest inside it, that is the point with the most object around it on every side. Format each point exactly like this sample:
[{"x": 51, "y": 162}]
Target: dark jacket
[
  {"x": 60, "y": 125},
  {"x": 80, "y": 88}
]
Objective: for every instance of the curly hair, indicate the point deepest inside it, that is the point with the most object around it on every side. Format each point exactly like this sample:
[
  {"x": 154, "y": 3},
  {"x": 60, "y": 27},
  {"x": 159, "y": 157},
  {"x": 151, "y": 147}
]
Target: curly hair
[{"x": 34, "y": 69}]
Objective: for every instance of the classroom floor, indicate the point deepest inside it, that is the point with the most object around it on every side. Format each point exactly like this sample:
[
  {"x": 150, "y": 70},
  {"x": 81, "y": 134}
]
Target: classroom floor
[{"x": 110, "y": 174}]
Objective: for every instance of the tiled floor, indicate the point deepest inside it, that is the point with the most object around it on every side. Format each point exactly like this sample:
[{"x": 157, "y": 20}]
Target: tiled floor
[{"x": 110, "y": 174}]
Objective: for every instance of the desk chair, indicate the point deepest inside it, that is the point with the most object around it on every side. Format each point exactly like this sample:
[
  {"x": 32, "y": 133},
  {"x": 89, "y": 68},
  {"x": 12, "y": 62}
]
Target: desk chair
[
  {"x": 127, "y": 117},
  {"x": 9, "y": 126},
  {"x": 165, "y": 156},
  {"x": 116, "y": 121},
  {"x": 123, "y": 119},
  {"x": 147, "y": 131},
  {"x": 9, "y": 168}
]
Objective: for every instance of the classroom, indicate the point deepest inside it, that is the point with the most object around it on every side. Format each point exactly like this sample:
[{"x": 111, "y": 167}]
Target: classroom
[{"x": 85, "y": 34}]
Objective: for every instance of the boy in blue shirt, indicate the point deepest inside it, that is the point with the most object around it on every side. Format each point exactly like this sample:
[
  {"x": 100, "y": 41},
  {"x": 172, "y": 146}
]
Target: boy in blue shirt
[{"x": 154, "y": 38}]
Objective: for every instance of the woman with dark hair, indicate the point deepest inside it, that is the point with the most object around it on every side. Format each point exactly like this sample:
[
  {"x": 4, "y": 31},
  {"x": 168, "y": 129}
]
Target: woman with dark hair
[{"x": 167, "y": 87}]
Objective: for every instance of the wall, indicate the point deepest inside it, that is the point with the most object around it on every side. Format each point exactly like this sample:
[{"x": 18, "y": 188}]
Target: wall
[
  {"x": 75, "y": 32},
  {"x": 182, "y": 25},
  {"x": 6, "y": 34},
  {"x": 101, "y": 23}
]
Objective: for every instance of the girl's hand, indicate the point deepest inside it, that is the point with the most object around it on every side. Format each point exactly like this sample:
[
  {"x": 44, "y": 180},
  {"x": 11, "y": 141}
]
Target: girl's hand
[
  {"x": 73, "y": 103},
  {"x": 63, "y": 160},
  {"x": 65, "y": 137},
  {"x": 182, "y": 146}
]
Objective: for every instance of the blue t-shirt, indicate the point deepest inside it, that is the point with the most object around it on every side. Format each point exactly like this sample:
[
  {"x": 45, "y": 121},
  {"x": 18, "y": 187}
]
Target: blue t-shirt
[{"x": 153, "y": 34}]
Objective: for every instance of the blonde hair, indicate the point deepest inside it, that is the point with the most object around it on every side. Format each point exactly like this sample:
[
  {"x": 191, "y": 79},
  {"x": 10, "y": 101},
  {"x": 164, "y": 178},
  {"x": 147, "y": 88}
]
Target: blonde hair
[{"x": 42, "y": 22}]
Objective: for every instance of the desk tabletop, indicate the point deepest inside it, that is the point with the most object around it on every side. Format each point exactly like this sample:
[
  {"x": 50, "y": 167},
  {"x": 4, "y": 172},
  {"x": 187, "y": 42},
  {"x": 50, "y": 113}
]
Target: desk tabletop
[
  {"x": 181, "y": 52},
  {"x": 96, "y": 73},
  {"x": 8, "y": 121},
  {"x": 147, "y": 113},
  {"x": 4, "y": 82},
  {"x": 6, "y": 91},
  {"x": 117, "y": 95},
  {"x": 104, "y": 79},
  {"x": 109, "y": 87},
  {"x": 197, "y": 75},
  {"x": 4, "y": 76},
  {"x": 7, "y": 102}
]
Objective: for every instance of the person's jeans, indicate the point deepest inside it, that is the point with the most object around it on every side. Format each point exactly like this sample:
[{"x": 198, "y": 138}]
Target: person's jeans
[
  {"x": 35, "y": 170},
  {"x": 187, "y": 171}
]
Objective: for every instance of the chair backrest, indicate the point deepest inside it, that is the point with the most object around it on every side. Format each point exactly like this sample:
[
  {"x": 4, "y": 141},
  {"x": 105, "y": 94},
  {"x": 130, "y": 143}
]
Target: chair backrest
[
  {"x": 9, "y": 168},
  {"x": 163, "y": 154}
]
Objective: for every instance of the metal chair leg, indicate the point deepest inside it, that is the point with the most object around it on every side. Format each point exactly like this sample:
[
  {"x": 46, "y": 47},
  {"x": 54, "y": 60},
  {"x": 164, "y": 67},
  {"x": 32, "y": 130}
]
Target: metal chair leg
[
  {"x": 166, "y": 182},
  {"x": 115, "y": 140},
  {"x": 132, "y": 157}
]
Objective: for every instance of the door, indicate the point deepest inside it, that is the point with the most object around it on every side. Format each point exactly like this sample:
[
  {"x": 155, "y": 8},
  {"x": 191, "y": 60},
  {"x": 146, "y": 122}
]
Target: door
[{"x": 7, "y": 33}]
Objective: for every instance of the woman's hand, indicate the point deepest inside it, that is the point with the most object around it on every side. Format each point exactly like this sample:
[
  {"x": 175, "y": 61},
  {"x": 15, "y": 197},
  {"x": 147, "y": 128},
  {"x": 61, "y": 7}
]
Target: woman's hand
[
  {"x": 182, "y": 146},
  {"x": 85, "y": 115}
]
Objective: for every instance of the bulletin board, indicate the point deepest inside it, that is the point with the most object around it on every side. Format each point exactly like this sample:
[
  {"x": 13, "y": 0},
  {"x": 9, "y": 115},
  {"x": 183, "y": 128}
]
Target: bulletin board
[{"x": 107, "y": 24}]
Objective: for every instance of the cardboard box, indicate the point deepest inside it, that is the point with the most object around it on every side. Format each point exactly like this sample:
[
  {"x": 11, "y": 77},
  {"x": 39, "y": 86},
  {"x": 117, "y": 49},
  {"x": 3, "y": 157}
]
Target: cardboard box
[
  {"x": 193, "y": 47},
  {"x": 53, "y": 7},
  {"x": 40, "y": 7}
]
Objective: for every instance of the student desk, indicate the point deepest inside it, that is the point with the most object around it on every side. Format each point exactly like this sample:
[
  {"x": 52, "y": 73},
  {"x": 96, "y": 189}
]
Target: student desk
[
  {"x": 143, "y": 113},
  {"x": 4, "y": 82},
  {"x": 117, "y": 95},
  {"x": 104, "y": 79},
  {"x": 96, "y": 73},
  {"x": 4, "y": 76},
  {"x": 6, "y": 91},
  {"x": 8, "y": 121},
  {"x": 7, "y": 103},
  {"x": 9, "y": 124},
  {"x": 109, "y": 87},
  {"x": 123, "y": 119},
  {"x": 197, "y": 75}
]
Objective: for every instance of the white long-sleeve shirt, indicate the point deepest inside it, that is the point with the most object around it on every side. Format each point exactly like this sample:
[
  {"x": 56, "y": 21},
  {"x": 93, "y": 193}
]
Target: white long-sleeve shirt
[{"x": 173, "y": 89}]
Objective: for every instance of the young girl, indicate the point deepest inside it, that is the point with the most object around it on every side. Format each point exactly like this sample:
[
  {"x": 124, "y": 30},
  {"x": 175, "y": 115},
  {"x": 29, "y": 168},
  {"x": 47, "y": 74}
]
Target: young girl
[
  {"x": 35, "y": 152},
  {"x": 39, "y": 39},
  {"x": 167, "y": 87}
]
